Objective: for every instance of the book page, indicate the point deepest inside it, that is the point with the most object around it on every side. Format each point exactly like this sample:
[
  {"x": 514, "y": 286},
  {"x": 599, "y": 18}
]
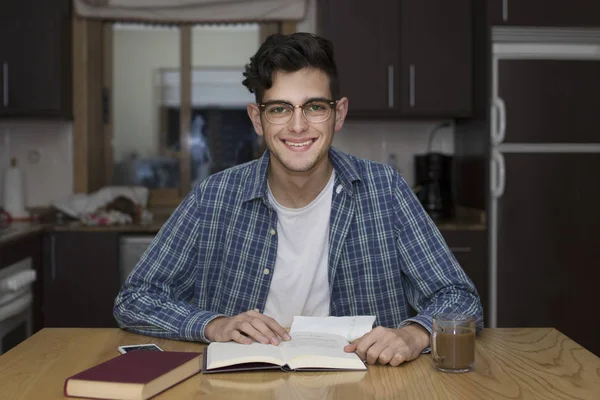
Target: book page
[
  {"x": 319, "y": 350},
  {"x": 348, "y": 327},
  {"x": 223, "y": 354}
]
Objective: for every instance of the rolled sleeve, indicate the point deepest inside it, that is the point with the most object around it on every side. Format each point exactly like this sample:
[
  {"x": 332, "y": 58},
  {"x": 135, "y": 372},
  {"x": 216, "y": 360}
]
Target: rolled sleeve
[{"x": 435, "y": 283}]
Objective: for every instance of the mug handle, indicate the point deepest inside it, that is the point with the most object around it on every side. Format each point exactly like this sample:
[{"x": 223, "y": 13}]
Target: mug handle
[{"x": 434, "y": 353}]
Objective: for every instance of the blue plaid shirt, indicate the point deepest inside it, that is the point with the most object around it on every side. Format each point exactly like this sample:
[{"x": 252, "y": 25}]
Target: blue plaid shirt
[{"x": 210, "y": 257}]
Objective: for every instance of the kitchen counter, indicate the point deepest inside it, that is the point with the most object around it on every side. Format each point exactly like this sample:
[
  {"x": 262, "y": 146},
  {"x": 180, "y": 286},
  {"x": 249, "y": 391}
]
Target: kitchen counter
[
  {"x": 465, "y": 220},
  {"x": 18, "y": 231}
]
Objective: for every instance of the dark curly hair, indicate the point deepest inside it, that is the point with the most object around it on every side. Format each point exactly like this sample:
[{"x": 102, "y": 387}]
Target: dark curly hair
[{"x": 290, "y": 53}]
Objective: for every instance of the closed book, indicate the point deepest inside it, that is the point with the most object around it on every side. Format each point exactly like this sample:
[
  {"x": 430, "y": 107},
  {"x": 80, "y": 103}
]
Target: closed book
[{"x": 134, "y": 375}]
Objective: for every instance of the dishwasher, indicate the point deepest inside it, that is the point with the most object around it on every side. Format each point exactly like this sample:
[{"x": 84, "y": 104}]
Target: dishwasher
[{"x": 131, "y": 249}]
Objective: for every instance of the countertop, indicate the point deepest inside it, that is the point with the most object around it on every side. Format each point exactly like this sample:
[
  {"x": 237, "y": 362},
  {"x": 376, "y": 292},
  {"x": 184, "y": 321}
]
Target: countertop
[{"x": 466, "y": 220}]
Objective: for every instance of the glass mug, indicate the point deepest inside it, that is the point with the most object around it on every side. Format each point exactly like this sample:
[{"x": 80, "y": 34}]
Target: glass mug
[{"x": 453, "y": 342}]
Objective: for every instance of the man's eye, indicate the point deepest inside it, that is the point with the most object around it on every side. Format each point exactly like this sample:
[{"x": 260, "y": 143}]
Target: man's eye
[
  {"x": 278, "y": 110},
  {"x": 316, "y": 107}
]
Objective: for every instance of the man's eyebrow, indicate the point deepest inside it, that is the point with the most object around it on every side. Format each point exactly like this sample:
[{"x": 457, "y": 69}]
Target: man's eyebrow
[
  {"x": 310, "y": 99},
  {"x": 276, "y": 102}
]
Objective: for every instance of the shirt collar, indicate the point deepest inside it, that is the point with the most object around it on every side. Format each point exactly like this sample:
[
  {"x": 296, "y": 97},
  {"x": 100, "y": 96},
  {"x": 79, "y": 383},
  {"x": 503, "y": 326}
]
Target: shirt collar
[{"x": 344, "y": 165}]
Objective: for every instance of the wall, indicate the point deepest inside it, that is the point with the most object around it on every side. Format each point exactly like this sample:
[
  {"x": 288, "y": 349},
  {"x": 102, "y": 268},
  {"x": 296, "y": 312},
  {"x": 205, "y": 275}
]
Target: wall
[
  {"x": 43, "y": 150},
  {"x": 139, "y": 54}
]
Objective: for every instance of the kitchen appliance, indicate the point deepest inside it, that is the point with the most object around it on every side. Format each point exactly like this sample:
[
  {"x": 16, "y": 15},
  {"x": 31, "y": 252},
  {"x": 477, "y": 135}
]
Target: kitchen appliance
[
  {"x": 433, "y": 178},
  {"x": 545, "y": 180},
  {"x": 16, "y": 300},
  {"x": 434, "y": 182}
]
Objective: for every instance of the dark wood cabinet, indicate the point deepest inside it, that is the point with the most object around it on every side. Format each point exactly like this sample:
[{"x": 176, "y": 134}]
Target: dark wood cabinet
[
  {"x": 81, "y": 279},
  {"x": 550, "y": 101},
  {"x": 404, "y": 58},
  {"x": 436, "y": 58},
  {"x": 470, "y": 249},
  {"x": 548, "y": 251},
  {"x": 548, "y": 13},
  {"x": 35, "y": 59},
  {"x": 365, "y": 38}
]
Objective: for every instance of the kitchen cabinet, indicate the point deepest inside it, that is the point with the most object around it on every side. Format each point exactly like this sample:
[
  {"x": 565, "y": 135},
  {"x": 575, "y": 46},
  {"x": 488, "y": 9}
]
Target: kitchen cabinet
[
  {"x": 35, "y": 59},
  {"x": 470, "y": 249},
  {"x": 545, "y": 13},
  {"x": 81, "y": 279},
  {"x": 402, "y": 58}
]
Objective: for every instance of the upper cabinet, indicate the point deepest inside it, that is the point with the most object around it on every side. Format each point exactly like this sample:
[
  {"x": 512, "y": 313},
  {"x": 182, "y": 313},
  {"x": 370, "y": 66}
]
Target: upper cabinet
[
  {"x": 35, "y": 59},
  {"x": 557, "y": 13},
  {"x": 408, "y": 58}
]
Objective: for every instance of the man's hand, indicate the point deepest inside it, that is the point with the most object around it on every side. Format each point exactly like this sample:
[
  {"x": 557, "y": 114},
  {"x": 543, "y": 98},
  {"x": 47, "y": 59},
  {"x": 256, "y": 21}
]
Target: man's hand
[
  {"x": 244, "y": 327},
  {"x": 390, "y": 346}
]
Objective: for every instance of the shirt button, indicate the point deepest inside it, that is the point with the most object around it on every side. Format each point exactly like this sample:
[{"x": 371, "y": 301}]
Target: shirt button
[
  {"x": 273, "y": 231},
  {"x": 338, "y": 190},
  {"x": 266, "y": 271}
]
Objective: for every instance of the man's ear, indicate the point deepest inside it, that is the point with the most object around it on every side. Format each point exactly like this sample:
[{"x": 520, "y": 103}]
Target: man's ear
[
  {"x": 341, "y": 109},
  {"x": 254, "y": 114}
]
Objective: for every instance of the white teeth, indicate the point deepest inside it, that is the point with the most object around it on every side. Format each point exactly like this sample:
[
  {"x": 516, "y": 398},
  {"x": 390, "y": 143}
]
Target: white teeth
[{"x": 298, "y": 144}]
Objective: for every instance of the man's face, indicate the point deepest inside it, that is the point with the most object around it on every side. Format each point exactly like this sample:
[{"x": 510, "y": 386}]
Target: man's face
[{"x": 299, "y": 145}]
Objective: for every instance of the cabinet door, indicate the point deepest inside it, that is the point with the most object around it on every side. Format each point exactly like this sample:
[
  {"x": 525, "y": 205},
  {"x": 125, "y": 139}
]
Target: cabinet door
[
  {"x": 36, "y": 58},
  {"x": 365, "y": 38},
  {"x": 550, "y": 101},
  {"x": 575, "y": 13},
  {"x": 436, "y": 57},
  {"x": 81, "y": 279},
  {"x": 548, "y": 248}
]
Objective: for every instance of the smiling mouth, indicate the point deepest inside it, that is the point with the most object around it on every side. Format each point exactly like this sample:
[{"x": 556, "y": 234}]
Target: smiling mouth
[{"x": 299, "y": 144}]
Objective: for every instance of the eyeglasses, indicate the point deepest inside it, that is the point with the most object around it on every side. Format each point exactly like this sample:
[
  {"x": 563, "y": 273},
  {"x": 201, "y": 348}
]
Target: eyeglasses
[{"x": 315, "y": 111}]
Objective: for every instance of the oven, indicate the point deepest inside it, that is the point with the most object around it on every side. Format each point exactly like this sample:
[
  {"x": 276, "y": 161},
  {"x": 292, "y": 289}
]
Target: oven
[{"x": 16, "y": 299}]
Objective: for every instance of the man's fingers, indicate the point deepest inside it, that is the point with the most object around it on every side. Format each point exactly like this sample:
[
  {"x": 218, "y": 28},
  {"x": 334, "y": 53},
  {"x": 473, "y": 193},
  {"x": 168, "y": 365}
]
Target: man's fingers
[
  {"x": 398, "y": 359},
  {"x": 268, "y": 327},
  {"x": 237, "y": 336},
  {"x": 250, "y": 329},
  {"x": 374, "y": 351},
  {"x": 351, "y": 348}
]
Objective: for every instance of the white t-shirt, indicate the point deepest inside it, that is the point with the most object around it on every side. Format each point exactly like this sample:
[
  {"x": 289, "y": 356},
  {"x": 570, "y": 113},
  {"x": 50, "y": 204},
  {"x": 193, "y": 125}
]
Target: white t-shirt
[{"x": 300, "y": 284}]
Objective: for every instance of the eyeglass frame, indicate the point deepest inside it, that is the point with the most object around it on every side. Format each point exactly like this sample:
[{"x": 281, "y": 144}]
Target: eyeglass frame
[{"x": 331, "y": 103}]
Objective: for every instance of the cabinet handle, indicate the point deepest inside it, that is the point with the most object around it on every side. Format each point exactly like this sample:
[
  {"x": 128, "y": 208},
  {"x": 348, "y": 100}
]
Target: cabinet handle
[
  {"x": 390, "y": 86},
  {"x": 411, "y": 73},
  {"x": 5, "y": 83},
  {"x": 52, "y": 258},
  {"x": 504, "y": 10},
  {"x": 464, "y": 249}
]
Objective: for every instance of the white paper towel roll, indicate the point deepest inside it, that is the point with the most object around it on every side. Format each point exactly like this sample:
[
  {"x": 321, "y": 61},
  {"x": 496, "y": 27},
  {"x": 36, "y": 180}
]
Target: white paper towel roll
[{"x": 14, "y": 199}]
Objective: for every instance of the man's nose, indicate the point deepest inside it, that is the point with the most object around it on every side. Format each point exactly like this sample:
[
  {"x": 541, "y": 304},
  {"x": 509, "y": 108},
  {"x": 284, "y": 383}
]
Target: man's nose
[{"x": 298, "y": 123}]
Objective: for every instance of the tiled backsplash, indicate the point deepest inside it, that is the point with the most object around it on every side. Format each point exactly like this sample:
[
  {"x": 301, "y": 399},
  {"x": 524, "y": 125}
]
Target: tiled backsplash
[
  {"x": 377, "y": 140},
  {"x": 50, "y": 177},
  {"x": 43, "y": 150}
]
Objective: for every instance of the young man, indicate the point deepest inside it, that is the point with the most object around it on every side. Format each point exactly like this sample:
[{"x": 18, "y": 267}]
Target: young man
[{"x": 304, "y": 230}]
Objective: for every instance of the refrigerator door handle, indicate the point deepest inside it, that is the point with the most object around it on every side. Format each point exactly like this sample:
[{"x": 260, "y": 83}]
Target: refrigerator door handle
[
  {"x": 498, "y": 119},
  {"x": 498, "y": 174}
]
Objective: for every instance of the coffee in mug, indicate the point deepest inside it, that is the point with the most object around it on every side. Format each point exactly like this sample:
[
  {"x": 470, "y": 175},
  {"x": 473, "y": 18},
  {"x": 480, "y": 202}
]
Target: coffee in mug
[{"x": 453, "y": 342}]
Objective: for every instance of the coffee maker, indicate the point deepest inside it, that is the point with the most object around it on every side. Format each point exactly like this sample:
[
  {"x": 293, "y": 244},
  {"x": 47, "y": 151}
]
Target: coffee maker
[{"x": 434, "y": 184}]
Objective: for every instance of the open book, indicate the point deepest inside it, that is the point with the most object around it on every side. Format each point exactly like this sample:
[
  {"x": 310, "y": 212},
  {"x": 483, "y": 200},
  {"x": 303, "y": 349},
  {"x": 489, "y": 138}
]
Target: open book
[
  {"x": 309, "y": 351},
  {"x": 317, "y": 344}
]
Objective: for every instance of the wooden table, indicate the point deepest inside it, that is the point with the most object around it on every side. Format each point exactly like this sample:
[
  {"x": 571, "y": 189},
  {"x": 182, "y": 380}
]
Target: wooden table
[{"x": 537, "y": 363}]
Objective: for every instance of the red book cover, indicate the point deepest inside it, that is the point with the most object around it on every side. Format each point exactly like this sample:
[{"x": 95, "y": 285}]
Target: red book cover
[{"x": 139, "y": 367}]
